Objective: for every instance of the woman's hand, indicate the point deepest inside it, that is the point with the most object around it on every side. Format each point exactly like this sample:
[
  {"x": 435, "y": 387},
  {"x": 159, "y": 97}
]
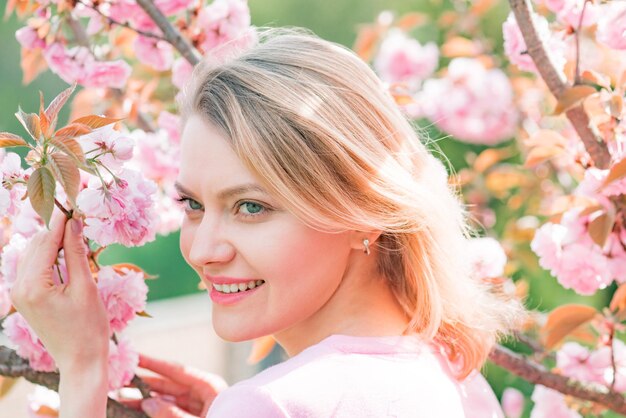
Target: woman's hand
[
  {"x": 69, "y": 318},
  {"x": 180, "y": 392}
]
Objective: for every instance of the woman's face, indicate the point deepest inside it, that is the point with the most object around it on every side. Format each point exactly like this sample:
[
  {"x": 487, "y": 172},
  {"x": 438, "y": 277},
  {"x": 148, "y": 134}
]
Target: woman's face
[{"x": 235, "y": 231}]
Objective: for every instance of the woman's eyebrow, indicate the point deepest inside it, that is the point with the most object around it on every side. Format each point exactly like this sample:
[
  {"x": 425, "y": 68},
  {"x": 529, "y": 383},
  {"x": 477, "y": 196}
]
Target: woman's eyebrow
[{"x": 226, "y": 193}]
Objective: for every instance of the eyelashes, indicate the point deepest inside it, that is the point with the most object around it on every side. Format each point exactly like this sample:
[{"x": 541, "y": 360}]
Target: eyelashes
[{"x": 246, "y": 209}]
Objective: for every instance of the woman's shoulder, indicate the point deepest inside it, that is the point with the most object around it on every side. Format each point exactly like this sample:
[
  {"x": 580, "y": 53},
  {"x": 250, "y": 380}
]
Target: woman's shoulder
[{"x": 362, "y": 376}]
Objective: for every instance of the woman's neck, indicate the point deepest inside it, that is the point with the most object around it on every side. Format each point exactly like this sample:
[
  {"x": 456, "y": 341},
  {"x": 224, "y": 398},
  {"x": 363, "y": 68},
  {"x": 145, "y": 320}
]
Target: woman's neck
[{"x": 363, "y": 305}]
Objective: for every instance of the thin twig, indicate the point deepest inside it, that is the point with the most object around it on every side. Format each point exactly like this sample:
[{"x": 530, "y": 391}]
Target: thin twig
[
  {"x": 537, "y": 374},
  {"x": 556, "y": 82},
  {"x": 172, "y": 35},
  {"x": 62, "y": 208},
  {"x": 577, "y": 79}
]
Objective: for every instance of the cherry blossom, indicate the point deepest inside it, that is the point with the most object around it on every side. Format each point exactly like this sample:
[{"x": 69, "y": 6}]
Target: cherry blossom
[
  {"x": 123, "y": 294},
  {"x": 612, "y": 25},
  {"x": 550, "y": 404},
  {"x": 28, "y": 345},
  {"x": 512, "y": 403},
  {"x": 123, "y": 361},
  {"x": 154, "y": 52},
  {"x": 487, "y": 257}
]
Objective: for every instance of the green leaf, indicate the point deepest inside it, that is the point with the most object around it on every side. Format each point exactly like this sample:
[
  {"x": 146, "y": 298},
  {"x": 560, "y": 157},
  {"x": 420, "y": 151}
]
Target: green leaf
[
  {"x": 69, "y": 146},
  {"x": 66, "y": 172},
  {"x": 8, "y": 139},
  {"x": 52, "y": 111},
  {"x": 30, "y": 122},
  {"x": 41, "y": 187}
]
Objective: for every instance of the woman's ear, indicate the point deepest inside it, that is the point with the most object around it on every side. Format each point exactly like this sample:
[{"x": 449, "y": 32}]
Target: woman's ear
[{"x": 364, "y": 241}]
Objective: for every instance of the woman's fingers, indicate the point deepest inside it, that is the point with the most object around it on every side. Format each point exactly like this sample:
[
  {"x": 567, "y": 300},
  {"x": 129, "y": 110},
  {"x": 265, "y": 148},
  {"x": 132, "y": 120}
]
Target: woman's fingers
[
  {"x": 174, "y": 371},
  {"x": 158, "y": 408},
  {"x": 76, "y": 253},
  {"x": 165, "y": 386}
]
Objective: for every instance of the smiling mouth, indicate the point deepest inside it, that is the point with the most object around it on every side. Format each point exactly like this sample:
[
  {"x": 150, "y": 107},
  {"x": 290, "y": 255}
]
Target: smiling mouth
[{"x": 236, "y": 288}]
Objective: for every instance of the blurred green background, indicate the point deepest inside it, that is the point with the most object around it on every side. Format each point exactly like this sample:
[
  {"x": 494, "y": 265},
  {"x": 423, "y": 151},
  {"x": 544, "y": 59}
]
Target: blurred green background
[{"x": 336, "y": 20}]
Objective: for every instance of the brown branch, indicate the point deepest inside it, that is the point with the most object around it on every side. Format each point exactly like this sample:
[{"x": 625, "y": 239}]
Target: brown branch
[
  {"x": 172, "y": 35},
  {"x": 577, "y": 36},
  {"x": 537, "y": 374},
  {"x": 12, "y": 365},
  {"x": 557, "y": 84}
]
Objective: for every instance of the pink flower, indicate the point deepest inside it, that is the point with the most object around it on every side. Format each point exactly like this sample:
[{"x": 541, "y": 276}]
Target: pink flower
[
  {"x": 111, "y": 146},
  {"x": 550, "y": 404},
  {"x": 171, "y": 7},
  {"x": 616, "y": 257},
  {"x": 515, "y": 46},
  {"x": 584, "y": 268},
  {"x": 574, "y": 360},
  {"x": 28, "y": 344},
  {"x": 11, "y": 256},
  {"x": 223, "y": 21},
  {"x": 5, "y": 298},
  {"x": 472, "y": 103},
  {"x": 181, "y": 72},
  {"x": 548, "y": 245},
  {"x": 28, "y": 38},
  {"x": 570, "y": 11},
  {"x": 154, "y": 52},
  {"x": 171, "y": 124},
  {"x": 157, "y": 157},
  {"x": 123, "y": 361},
  {"x": 612, "y": 26},
  {"x": 404, "y": 60},
  {"x": 5, "y": 201},
  {"x": 601, "y": 359},
  {"x": 170, "y": 213},
  {"x": 12, "y": 175},
  {"x": 123, "y": 294},
  {"x": 122, "y": 214},
  {"x": 102, "y": 74},
  {"x": 487, "y": 257},
  {"x": 79, "y": 65},
  {"x": 512, "y": 403}
]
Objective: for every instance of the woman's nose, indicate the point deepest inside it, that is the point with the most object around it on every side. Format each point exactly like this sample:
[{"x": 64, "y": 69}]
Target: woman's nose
[{"x": 210, "y": 244}]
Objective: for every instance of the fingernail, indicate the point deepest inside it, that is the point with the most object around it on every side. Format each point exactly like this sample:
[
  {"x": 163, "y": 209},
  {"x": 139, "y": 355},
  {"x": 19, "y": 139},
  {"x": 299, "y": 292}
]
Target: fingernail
[
  {"x": 77, "y": 226},
  {"x": 150, "y": 406}
]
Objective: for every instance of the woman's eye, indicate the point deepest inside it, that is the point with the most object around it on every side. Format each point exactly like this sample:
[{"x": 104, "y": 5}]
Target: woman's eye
[
  {"x": 250, "y": 208},
  {"x": 189, "y": 204}
]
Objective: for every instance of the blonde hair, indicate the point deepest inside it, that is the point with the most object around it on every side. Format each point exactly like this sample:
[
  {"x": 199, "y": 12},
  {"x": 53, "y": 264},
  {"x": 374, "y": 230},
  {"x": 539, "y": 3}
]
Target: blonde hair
[{"x": 314, "y": 124}]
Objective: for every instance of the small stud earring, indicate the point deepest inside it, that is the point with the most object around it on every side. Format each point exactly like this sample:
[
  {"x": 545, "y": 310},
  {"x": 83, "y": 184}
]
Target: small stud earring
[{"x": 366, "y": 244}]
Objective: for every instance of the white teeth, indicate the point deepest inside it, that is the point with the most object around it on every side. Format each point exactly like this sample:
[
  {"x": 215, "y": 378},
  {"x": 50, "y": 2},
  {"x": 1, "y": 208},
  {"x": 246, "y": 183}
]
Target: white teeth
[{"x": 240, "y": 287}]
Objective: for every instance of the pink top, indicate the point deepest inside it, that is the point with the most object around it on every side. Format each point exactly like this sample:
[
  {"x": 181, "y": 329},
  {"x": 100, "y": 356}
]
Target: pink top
[{"x": 346, "y": 376}]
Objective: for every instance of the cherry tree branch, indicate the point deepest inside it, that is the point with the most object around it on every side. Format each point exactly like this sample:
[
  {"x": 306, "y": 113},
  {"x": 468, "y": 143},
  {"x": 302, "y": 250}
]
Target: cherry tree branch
[
  {"x": 537, "y": 374},
  {"x": 171, "y": 34},
  {"x": 557, "y": 84},
  {"x": 12, "y": 365}
]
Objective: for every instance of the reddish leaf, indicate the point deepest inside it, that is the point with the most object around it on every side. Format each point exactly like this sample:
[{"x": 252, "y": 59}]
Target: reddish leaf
[
  {"x": 119, "y": 268},
  {"x": 43, "y": 119},
  {"x": 144, "y": 314},
  {"x": 540, "y": 154},
  {"x": 546, "y": 137},
  {"x": 6, "y": 384},
  {"x": 67, "y": 173},
  {"x": 69, "y": 146},
  {"x": 601, "y": 226},
  {"x": 8, "y": 139},
  {"x": 41, "y": 186},
  {"x": 95, "y": 122},
  {"x": 72, "y": 130},
  {"x": 618, "y": 302},
  {"x": 261, "y": 348},
  {"x": 30, "y": 122},
  {"x": 32, "y": 63},
  {"x": 563, "y": 320},
  {"x": 573, "y": 96},
  {"x": 616, "y": 172},
  {"x": 412, "y": 20},
  {"x": 490, "y": 157},
  {"x": 366, "y": 41},
  {"x": 53, "y": 109},
  {"x": 459, "y": 47},
  {"x": 597, "y": 78}
]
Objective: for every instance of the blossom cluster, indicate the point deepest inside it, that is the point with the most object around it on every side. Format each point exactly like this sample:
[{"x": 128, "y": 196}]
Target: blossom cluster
[
  {"x": 220, "y": 23},
  {"x": 567, "y": 248}
]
